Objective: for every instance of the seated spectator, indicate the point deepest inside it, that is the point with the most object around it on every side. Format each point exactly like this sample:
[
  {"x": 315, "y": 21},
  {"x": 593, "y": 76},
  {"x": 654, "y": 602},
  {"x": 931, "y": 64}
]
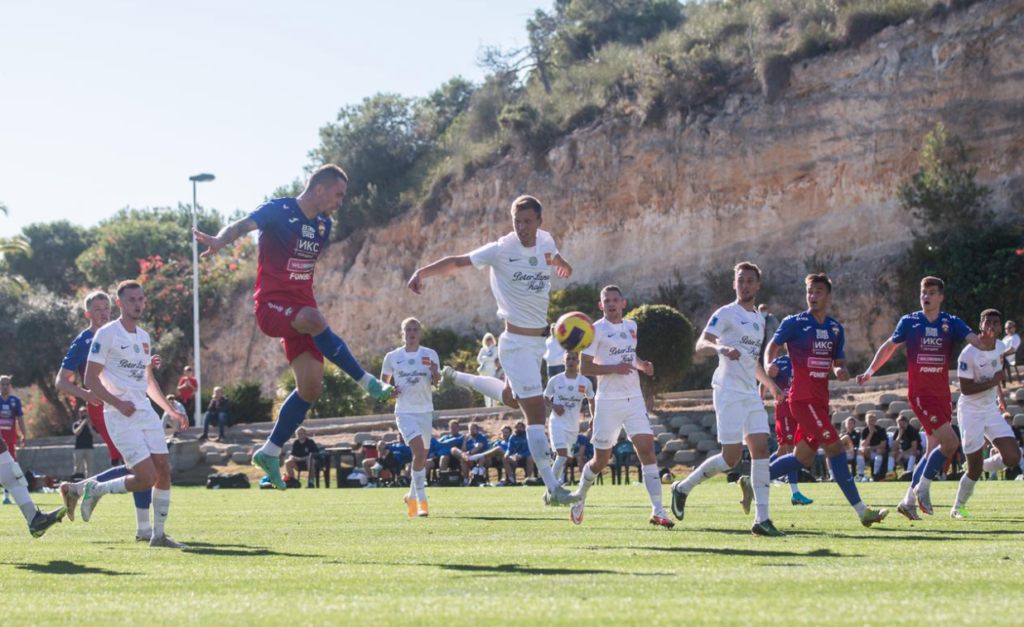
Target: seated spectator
[
  {"x": 908, "y": 450},
  {"x": 494, "y": 456},
  {"x": 171, "y": 425},
  {"x": 402, "y": 453},
  {"x": 583, "y": 449},
  {"x": 433, "y": 454},
  {"x": 476, "y": 443},
  {"x": 850, "y": 438},
  {"x": 302, "y": 458},
  {"x": 219, "y": 410},
  {"x": 83, "y": 444},
  {"x": 517, "y": 456},
  {"x": 874, "y": 447},
  {"x": 454, "y": 440},
  {"x": 385, "y": 467}
]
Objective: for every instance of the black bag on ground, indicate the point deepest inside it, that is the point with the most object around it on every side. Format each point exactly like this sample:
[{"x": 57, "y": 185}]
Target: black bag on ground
[{"x": 227, "y": 481}]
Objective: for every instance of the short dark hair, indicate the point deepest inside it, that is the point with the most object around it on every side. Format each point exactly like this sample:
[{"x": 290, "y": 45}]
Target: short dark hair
[
  {"x": 994, "y": 313},
  {"x": 129, "y": 284},
  {"x": 821, "y": 278},
  {"x": 610, "y": 288},
  {"x": 95, "y": 296},
  {"x": 747, "y": 265},
  {"x": 326, "y": 174},
  {"x": 934, "y": 281},
  {"x": 527, "y": 202}
]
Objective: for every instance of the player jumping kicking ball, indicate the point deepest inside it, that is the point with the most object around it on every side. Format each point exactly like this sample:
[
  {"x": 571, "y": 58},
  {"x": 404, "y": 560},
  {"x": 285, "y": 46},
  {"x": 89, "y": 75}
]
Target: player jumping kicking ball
[
  {"x": 815, "y": 345},
  {"x": 520, "y": 265},
  {"x": 11, "y": 476},
  {"x": 293, "y": 233},
  {"x": 620, "y": 403},
  {"x": 980, "y": 411},
  {"x": 736, "y": 333},
  {"x": 97, "y": 312},
  {"x": 930, "y": 335},
  {"x": 786, "y": 430},
  {"x": 414, "y": 370},
  {"x": 120, "y": 373},
  {"x": 565, "y": 394}
]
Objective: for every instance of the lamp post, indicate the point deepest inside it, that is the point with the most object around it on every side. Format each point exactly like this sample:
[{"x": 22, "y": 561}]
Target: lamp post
[{"x": 198, "y": 178}]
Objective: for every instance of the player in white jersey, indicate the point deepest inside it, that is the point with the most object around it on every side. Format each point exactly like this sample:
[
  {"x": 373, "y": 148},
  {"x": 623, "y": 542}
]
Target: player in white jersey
[
  {"x": 620, "y": 403},
  {"x": 120, "y": 373},
  {"x": 414, "y": 371},
  {"x": 736, "y": 333},
  {"x": 520, "y": 265},
  {"x": 565, "y": 394},
  {"x": 980, "y": 411}
]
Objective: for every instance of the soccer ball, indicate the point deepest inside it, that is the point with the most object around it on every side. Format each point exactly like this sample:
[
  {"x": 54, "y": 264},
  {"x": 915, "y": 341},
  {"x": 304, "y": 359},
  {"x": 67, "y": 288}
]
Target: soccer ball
[{"x": 574, "y": 331}]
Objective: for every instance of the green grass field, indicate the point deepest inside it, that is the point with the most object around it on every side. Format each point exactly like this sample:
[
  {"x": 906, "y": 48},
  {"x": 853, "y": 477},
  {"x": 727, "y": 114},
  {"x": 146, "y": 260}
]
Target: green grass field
[{"x": 498, "y": 557}]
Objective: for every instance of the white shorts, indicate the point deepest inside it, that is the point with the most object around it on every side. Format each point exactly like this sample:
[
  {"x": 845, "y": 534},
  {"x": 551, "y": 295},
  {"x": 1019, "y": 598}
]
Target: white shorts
[
  {"x": 137, "y": 436},
  {"x": 611, "y": 415},
  {"x": 563, "y": 433},
  {"x": 414, "y": 425},
  {"x": 739, "y": 415},
  {"x": 976, "y": 426},
  {"x": 521, "y": 357}
]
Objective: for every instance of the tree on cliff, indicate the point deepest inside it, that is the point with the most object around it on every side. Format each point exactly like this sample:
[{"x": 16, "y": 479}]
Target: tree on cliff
[{"x": 664, "y": 338}]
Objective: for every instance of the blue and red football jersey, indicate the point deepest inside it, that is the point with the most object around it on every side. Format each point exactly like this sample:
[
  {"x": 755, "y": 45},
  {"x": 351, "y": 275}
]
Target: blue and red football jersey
[
  {"x": 812, "y": 348},
  {"x": 930, "y": 348},
  {"x": 289, "y": 244}
]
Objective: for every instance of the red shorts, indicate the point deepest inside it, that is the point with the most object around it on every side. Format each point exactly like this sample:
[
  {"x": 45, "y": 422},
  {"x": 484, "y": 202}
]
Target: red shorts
[
  {"x": 10, "y": 438},
  {"x": 275, "y": 320},
  {"x": 814, "y": 422},
  {"x": 787, "y": 432},
  {"x": 933, "y": 412},
  {"x": 100, "y": 424}
]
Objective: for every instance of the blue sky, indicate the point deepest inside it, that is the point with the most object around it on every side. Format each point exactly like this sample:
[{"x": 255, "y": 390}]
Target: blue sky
[{"x": 106, "y": 104}]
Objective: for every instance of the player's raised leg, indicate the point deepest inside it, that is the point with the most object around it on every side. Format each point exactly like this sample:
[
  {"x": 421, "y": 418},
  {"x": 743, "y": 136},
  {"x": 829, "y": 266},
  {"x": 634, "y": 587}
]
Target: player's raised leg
[
  {"x": 491, "y": 388},
  {"x": 13, "y": 480},
  {"x": 309, "y": 377}
]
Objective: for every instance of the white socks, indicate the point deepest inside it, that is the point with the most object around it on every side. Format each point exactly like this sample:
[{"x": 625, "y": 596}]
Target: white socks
[
  {"x": 540, "y": 450},
  {"x": 860, "y": 465},
  {"x": 711, "y": 467},
  {"x": 964, "y": 492},
  {"x": 271, "y": 449},
  {"x": 161, "y": 506},
  {"x": 559, "y": 467},
  {"x": 114, "y": 486},
  {"x": 419, "y": 484},
  {"x": 11, "y": 478},
  {"x": 860, "y": 508},
  {"x": 364, "y": 382},
  {"x": 910, "y": 463},
  {"x": 488, "y": 386},
  {"x": 652, "y": 481},
  {"x": 877, "y": 467},
  {"x": 587, "y": 479},
  {"x": 142, "y": 526},
  {"x": 760, "y": 480},
  {"x": 793, "y": 487},
  {"x": 993, "y": 464}
]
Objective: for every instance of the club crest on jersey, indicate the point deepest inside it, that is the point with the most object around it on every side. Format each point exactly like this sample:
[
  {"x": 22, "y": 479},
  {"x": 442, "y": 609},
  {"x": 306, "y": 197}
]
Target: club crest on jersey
[
  {"x": 945, "y": 327},
  {"x": 533, "y": 261},
  {"x": 412, "y": 362},
  {"x": 95, "y": 347},
  {"x": 757, "y": 327},
  {"x": 321, "y": 229},
  {"x": 995, "y": 363},
  {"x": 425, "y": 361},
  {"x": 137, "y": 349},
  {"x": 307, "y": 231},
  {"x": 622, "y": 335}
]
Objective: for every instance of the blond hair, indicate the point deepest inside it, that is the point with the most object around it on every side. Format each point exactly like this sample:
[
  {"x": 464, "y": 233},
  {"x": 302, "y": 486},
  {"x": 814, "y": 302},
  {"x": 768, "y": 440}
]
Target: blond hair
[{"x": 488, "y": 336}]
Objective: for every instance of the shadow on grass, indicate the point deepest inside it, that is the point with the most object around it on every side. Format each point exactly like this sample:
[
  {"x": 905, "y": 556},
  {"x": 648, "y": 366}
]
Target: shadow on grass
[
  {"x": 516, "y": 569},
  {"x": 500, "y": 518},
  {"x": 64, "y": 567},
  {"x": 237, "y": 550},
  {"x": 737, "y": 552},
  {"x": 879, "y": 534}
]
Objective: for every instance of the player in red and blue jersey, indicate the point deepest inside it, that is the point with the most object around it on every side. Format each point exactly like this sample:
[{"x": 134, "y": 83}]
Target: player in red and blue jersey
[
  {"x": 815, "y": 344},
  {"x": 786, "y": 430},
  {"x": 293, "y": 233},
  {"x": 97, "y": 312},
  {"x": 931, "y": 336}
]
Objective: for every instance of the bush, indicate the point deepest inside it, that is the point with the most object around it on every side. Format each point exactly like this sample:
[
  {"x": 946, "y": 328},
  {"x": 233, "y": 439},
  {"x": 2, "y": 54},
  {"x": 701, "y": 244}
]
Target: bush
[
  {"x": 664, "y": 338},
  {"x": 575, "y": 297},
  {"x": 456, "y": 397},
  {"x": 774, "y": 72},
  {"x": 248, "y": 403},
  {"x": 341, "y": 395}
]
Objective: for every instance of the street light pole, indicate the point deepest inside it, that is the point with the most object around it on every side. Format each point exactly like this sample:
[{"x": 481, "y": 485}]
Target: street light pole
[{"x": 198, "y": 398}]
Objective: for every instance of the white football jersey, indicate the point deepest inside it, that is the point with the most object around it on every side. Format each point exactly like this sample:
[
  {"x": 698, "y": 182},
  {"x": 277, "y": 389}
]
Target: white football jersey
[
  {"x": 743, "y": 330},
  {"x": 569, "y": 393},
  {"x": 520, "y": 277},
  {"x": 411, "y": 377},
  {"x": 980, "y": 367},
  {"x": 124, "y": 357},
  {"x": 613, "y": 344}
]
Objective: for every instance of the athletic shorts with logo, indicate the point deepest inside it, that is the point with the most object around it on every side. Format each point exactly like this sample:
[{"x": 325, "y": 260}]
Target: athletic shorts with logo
[
  {"x": 521, "y": 357},
  {"x": 738, "y": 415},
  {"x": 976, "y": 426},
  {"x": 138, "y": 436},
  {"x": 611, "y": 415},
  {"x": 275, "y": 320},
  {"x": 933, "y": 412},
  {"x": 415, "y": 425},
  {"x": 786, "y": 430},
  {"x": 814, "y": 422},
  {"x": 563, "y": 433}
]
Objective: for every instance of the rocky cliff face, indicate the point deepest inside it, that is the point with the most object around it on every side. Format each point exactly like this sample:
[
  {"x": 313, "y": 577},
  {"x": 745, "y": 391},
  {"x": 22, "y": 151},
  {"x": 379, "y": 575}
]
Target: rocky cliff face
[{"x": 811, "y": 176}]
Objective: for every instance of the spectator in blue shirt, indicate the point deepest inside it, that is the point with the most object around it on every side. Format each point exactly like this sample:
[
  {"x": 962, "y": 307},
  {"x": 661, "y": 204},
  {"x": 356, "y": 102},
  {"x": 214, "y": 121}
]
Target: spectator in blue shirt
[
  {"x": 583, "y": 450},
  {"x": 453, "y": 440},
  {"x": 517, "y": 455},
  {"x": 494, "y": 456},
  {"x": 476, "y": 443}
]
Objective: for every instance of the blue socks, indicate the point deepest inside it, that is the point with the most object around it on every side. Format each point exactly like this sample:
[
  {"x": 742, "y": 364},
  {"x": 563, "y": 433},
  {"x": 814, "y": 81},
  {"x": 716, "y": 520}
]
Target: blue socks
[
  {"x": 787, "y": 465},
  {"x": 142, "y": 499},
  {"x": 934, "y": 464},
  {"x": 335, "y": 350},
  {"x": 841, "y": 473},
  {"x": 292, "y": 413}
]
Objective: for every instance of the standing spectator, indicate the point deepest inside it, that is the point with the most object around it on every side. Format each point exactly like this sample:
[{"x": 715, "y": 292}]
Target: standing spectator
[
  {"x": 488, "y": 360},
  {"x": 518, "y": 455},
  {"x": 554, "y": 354},
  {"x": 219, "y": 410},
  {"x": 1012, "y": 342},
  {"x": 187, "y": 386},
  {"x": 83, "y": 444},
  {"x": 909, "y": 449},
  {"x": 771, "y": 323},
  {"x": 303, "y": 457},
  {"x": 12, "y": 419}
]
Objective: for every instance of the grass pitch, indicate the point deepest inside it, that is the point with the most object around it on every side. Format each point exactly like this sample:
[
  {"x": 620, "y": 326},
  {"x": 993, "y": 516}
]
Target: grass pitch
[{"x": 496, "y": 556}]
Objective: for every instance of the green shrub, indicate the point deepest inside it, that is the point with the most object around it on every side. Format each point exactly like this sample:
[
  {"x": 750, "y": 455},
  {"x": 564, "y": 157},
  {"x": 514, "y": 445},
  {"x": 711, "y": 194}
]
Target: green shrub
[
  {"x": 664, "y": 338},
  {"x": 341, "y": 395},
  {"x": 456, "y": 397},
  {"x": 575, "y": 297},
  {"x": 248, "y": 403}
]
